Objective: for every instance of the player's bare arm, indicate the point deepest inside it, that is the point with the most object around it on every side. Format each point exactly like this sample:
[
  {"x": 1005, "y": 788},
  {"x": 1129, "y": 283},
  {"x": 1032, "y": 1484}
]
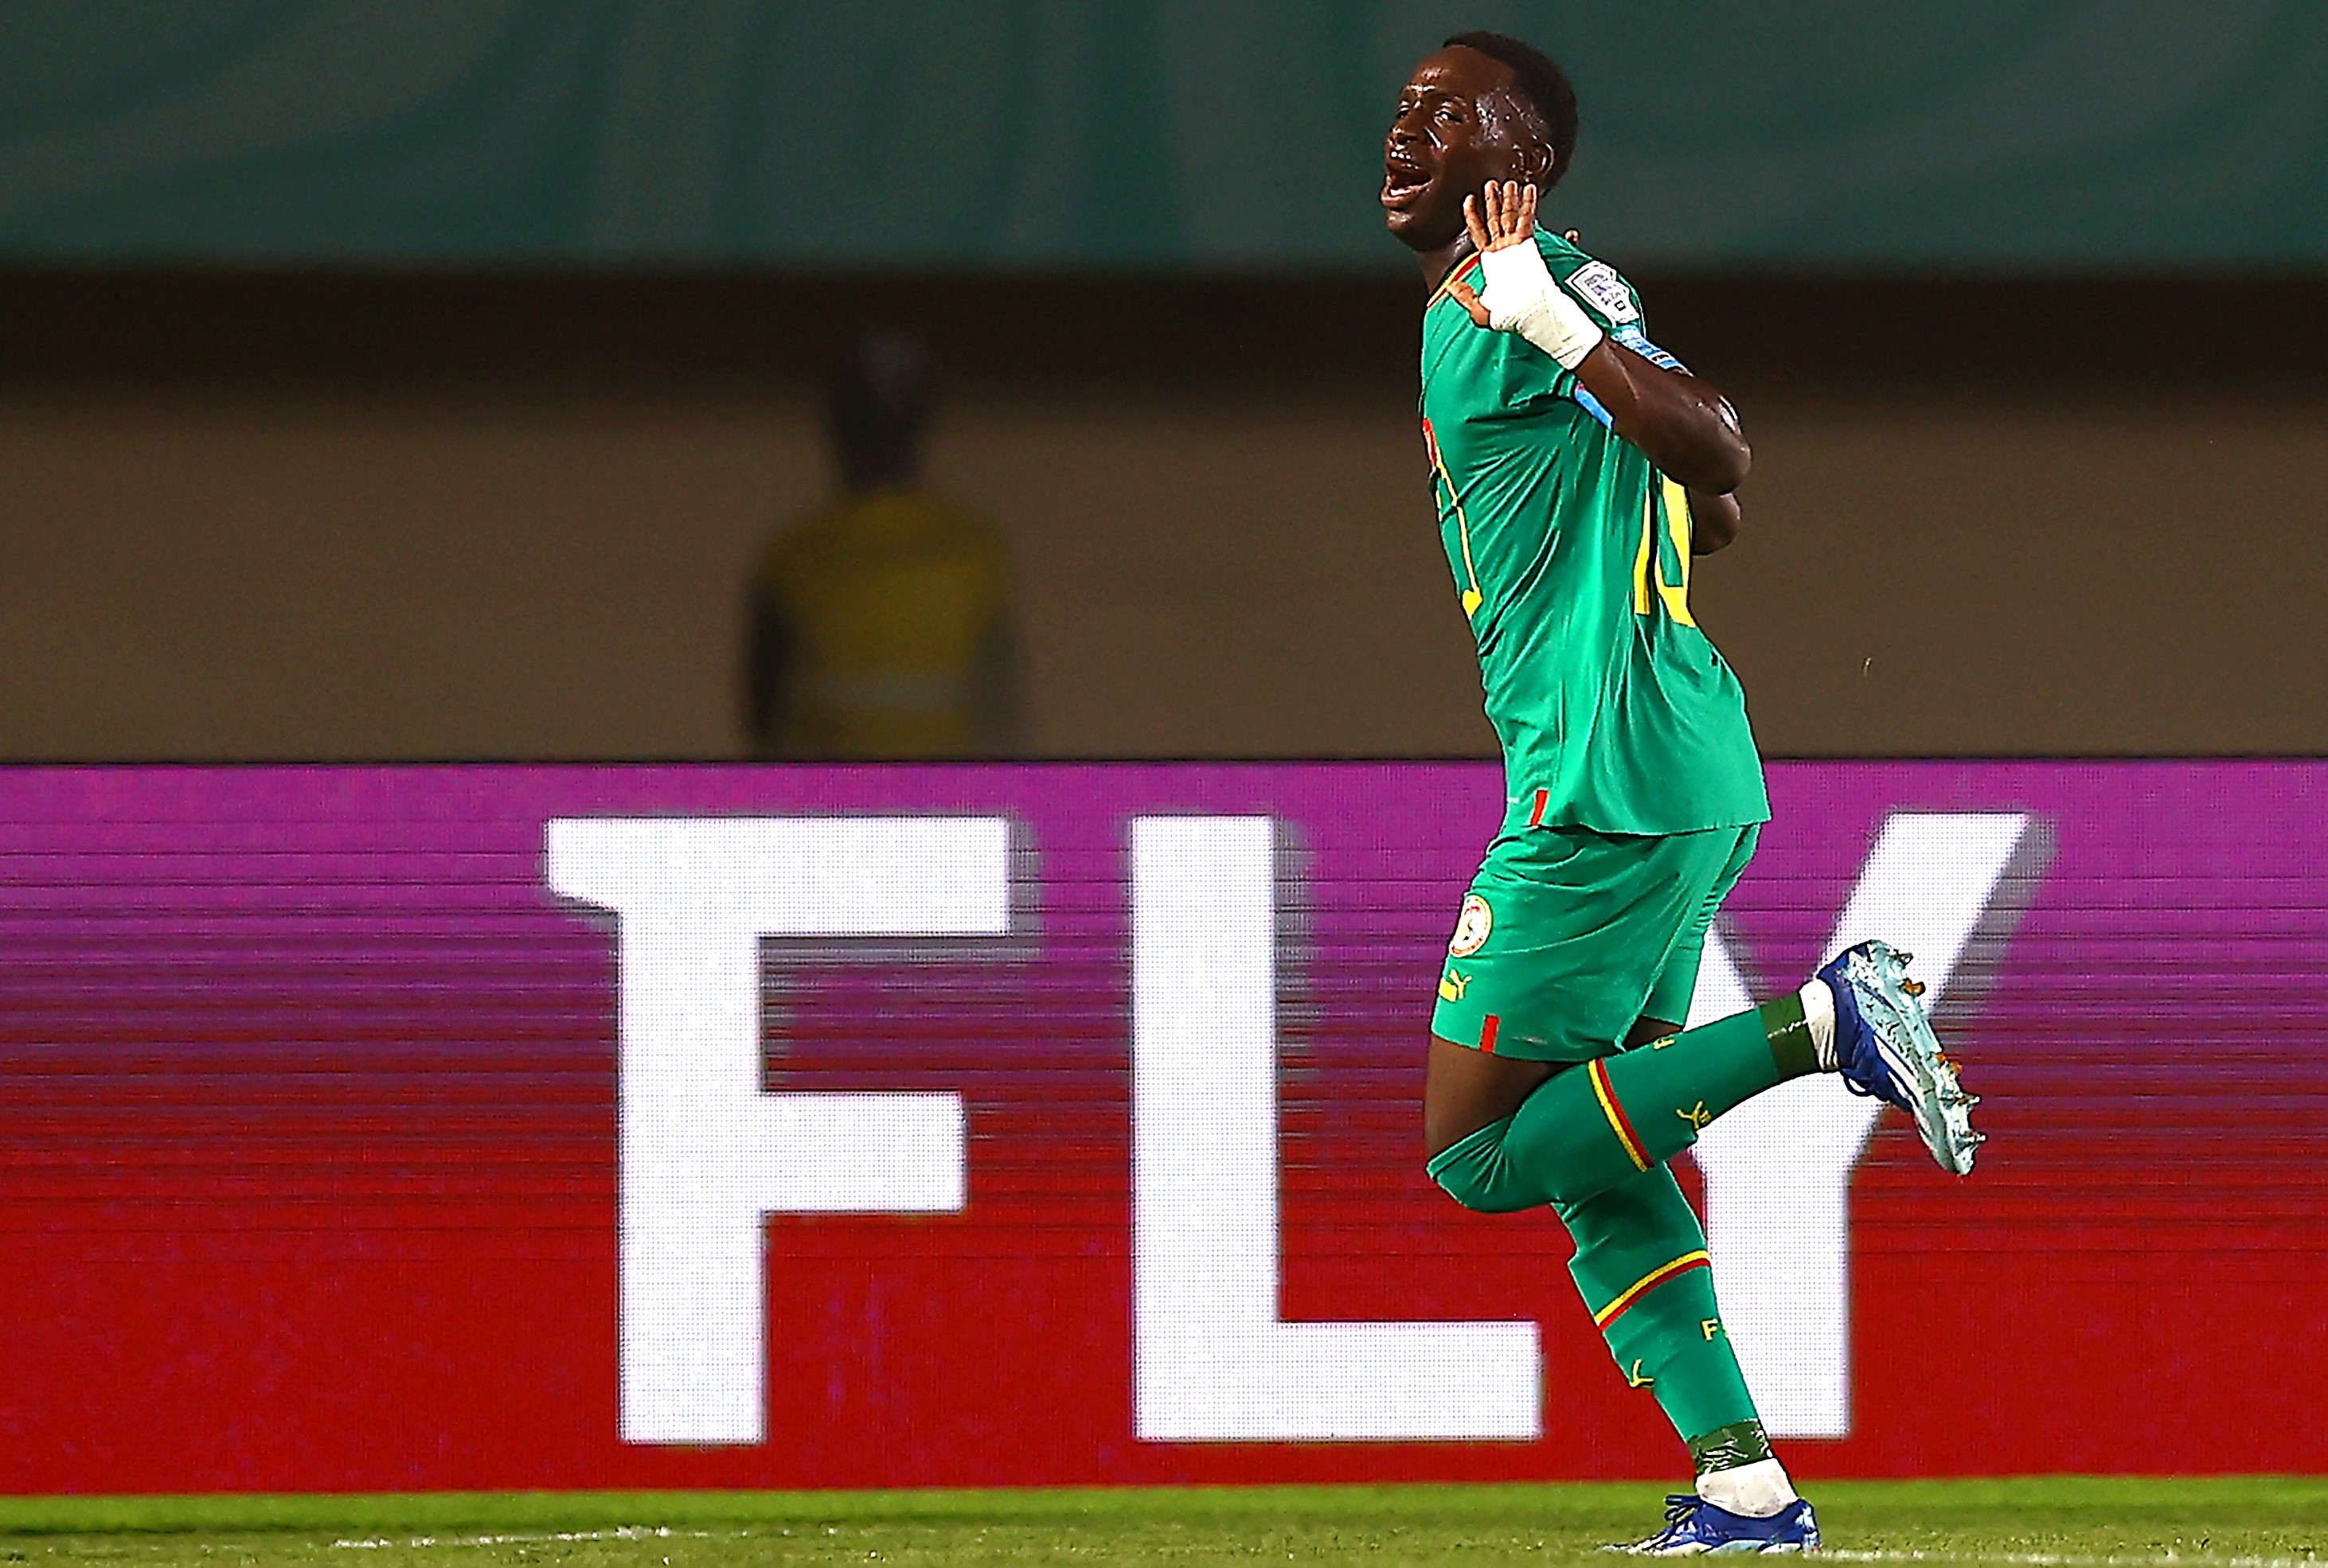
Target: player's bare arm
[
  {"x": 1714, "y": 519},
  {"x": 1715, "y": 516},
  {"x": 1685, "y": 426}
]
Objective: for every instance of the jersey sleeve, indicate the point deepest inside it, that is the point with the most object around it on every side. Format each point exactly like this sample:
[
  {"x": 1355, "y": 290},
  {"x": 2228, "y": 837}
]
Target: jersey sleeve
[{"x": 1608, "y": 299}]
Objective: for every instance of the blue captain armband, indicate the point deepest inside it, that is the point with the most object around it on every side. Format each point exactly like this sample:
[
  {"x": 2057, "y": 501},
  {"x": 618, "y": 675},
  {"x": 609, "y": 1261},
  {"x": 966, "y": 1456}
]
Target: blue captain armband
[{"x": 1633, "y": 338}]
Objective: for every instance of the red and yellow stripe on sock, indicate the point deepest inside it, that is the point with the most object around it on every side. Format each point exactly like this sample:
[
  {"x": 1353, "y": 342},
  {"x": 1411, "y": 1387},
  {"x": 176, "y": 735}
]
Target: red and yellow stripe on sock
[
  {"x": 1648, "y": 1283},
  {"x": 1603, "y": 1091}
]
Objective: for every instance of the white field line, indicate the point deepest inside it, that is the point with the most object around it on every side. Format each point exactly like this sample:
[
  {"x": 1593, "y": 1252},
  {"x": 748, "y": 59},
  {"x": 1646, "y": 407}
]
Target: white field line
[
  {"x": 2016, "y": 1559},
  {"x": 2075, "y": 1559},
  {"x": 622, "y": 1533}
]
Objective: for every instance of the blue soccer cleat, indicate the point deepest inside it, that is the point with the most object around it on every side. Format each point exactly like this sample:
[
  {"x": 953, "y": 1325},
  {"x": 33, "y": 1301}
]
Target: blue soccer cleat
[
  {"x": 1885, "y": 1048},
  {"x": 1695, "y": 1526}
]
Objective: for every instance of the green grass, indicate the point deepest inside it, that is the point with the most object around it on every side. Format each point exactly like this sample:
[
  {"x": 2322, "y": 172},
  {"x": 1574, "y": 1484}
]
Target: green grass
[{"x": 2072, "y": 1522}]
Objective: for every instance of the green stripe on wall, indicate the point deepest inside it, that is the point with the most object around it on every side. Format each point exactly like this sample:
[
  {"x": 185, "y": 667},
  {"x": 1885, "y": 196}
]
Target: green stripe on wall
[{"x": 1971, "y": 134}]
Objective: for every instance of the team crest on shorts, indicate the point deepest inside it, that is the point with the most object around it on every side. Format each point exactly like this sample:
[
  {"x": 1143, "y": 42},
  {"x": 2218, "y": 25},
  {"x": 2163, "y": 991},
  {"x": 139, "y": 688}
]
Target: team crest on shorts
[{"x": 1471, "y": 927}]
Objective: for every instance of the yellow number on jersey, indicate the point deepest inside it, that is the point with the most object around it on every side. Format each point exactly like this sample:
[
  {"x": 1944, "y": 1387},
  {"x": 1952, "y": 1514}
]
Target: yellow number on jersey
[{"x": 1648, "y": 562}]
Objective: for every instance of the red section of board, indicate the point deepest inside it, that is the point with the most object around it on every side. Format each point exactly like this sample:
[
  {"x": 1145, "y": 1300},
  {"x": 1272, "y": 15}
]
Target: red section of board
[{"x": 310, "y": 1181}]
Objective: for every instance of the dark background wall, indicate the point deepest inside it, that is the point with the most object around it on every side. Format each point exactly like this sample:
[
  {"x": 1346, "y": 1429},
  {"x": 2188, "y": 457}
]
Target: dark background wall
[
  {"x": 421, "y": 379},
  {"x": 377, "y": 516}
]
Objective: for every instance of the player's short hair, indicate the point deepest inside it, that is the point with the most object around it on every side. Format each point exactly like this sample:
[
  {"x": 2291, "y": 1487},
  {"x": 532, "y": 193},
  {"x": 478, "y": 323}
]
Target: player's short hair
[{"x": 1538, "y": 80}]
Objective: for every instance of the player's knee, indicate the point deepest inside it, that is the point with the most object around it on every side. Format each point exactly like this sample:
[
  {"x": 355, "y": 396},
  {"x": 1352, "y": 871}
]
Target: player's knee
[
  {"x": 1478, "y": 1175},
  {"x": 1482, "y": 1198}
]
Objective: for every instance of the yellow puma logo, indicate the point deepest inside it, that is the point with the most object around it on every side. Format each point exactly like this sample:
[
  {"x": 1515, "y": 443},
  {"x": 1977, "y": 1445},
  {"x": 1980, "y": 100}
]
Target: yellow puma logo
[
  {"x": 1698, "y": 1117},
  {"x": 1633, "y": 1379},
  {"x": 1451, "y": 986}
]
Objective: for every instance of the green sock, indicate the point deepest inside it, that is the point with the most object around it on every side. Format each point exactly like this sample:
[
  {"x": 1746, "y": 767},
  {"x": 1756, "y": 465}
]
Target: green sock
[
  {"x": 1641, "y": 1267},
  {"x": 1593, "y": 1142},
  {"x": 1591, "y": 1126}
]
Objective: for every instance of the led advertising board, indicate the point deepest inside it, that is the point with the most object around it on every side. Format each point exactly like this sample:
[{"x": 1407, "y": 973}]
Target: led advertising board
[{"x": 606, "y": 1126}]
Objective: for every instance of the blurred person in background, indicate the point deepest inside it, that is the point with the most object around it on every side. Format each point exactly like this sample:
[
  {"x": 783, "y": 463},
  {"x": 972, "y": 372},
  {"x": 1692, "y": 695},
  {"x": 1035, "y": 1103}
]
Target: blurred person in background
[{"x": 881, "y": 627}]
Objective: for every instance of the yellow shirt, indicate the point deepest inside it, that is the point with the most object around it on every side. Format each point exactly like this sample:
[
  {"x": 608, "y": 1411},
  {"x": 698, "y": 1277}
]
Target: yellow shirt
[{"x": 883, "y": 630}]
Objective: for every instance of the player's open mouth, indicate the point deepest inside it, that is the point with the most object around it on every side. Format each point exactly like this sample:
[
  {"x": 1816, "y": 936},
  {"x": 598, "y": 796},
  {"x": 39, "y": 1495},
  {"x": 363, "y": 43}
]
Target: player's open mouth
[{"x": 1403, "y": 182}]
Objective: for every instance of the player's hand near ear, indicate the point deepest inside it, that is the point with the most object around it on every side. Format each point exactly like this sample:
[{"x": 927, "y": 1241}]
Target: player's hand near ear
[{"x": 1500, "y": 217}]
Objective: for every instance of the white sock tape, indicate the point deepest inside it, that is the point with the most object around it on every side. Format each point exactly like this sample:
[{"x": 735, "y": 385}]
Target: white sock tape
[
  {"x": 1818, "y": 1012},
  {"x": 1756, "y": 1491}
]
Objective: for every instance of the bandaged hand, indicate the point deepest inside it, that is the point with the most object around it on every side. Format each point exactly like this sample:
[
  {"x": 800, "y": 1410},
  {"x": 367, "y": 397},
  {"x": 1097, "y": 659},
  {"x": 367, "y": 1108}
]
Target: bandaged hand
[{"x": 1517, "y": 292}]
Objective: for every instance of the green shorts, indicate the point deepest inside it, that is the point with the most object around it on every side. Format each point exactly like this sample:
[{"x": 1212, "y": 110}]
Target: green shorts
[{"x": 1569, "y": 937}]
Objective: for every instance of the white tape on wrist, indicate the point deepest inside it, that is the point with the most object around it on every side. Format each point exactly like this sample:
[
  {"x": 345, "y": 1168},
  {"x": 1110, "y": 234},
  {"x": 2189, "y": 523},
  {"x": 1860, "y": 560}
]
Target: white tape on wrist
[{"x": 1521, "y": 297}]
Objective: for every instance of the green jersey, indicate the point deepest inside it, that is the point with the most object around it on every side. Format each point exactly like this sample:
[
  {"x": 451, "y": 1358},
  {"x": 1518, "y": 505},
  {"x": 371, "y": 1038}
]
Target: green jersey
[{"x": 1571, "y": 554}]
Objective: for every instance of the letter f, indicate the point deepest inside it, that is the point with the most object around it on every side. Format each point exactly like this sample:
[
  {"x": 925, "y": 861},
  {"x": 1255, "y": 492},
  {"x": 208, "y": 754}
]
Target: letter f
[{"x": 705, "y": 1154}]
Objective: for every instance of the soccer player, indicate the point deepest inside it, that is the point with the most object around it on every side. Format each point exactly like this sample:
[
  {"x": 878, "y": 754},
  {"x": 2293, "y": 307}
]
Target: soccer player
[{"x": 1577, "y": 469}]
